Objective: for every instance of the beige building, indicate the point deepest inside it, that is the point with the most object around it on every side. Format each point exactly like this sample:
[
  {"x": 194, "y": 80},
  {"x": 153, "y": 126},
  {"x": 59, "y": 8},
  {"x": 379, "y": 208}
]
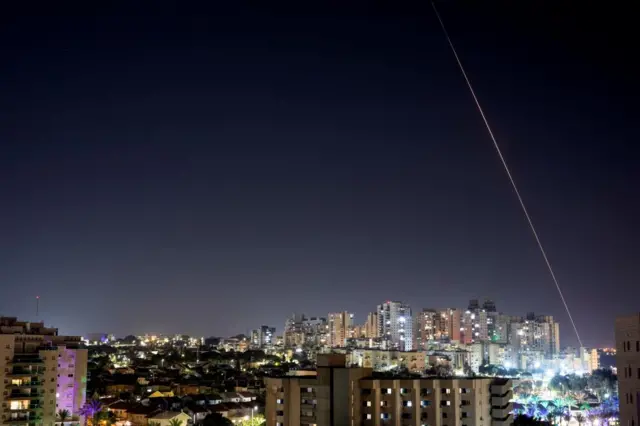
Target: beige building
[
  {"x": 340, "y": 396},
  {"x": 42, "y": 373},
  {"x": 381, "y": 360},
  {"x": 436, "y": 325},
  {"x": 371, "y": 327},
  {"x": 165, "y": 418},
  {"x": 628, "y": 363},
  {"x": 339, "y": 327}
]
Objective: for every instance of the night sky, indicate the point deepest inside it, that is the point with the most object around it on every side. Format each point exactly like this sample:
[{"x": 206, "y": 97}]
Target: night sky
[{"x": 203, "y": 170}]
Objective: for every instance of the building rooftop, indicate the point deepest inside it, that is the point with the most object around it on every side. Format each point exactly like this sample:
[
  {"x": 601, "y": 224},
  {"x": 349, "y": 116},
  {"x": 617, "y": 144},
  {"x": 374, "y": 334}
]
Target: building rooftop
[{"x": 165, "y": 415}]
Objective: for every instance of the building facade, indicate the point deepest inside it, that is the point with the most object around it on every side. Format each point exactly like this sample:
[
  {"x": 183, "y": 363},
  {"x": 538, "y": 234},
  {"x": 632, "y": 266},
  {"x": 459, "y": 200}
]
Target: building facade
[
  {"x": 395, "y": 324},
  {"x": 381, "y": 360},
  {"x": 263, "y": 337},
  {"x": 340, "y": 327},
  {"x": 628, "y": 363},
  {"x": 371, "y": 327},
  {"x": 42, "y": 373},
  {"x": 340, "y": 396}
]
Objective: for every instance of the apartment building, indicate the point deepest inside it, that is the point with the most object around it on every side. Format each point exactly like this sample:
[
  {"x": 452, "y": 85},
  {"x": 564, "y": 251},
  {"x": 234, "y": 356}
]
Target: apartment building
[
  {"x": 41, "y": 373},
  {"x": 339, "y": 326},
  {"x": 340, "y": 396},
  {"x": 628, "y": 363},
  {"x": 328, "y": 398},
  {"x": 381, "y": 360},
  {"x": 396, "y": 325},
  {"x": 262, "y": 337},
  {"x": 436, "y": 325}
]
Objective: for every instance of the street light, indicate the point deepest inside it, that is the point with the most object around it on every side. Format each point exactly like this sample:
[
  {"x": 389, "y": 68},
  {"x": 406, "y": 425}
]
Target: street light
[{"x": 253, "y": 408}]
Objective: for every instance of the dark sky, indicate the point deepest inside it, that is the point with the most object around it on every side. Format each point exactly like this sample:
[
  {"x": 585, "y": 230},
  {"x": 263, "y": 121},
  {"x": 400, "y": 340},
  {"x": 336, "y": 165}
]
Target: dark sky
[{"x": 205, "y": 170}]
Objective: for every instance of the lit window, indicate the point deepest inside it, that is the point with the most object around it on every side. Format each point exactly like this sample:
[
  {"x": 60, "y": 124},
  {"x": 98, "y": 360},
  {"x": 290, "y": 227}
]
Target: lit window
[
  {"x": 368, "y": 403},
  {"x": 407, "y": 404},
  {"x": 389, "y": 390},
  {"x": 368, "y": 416}
]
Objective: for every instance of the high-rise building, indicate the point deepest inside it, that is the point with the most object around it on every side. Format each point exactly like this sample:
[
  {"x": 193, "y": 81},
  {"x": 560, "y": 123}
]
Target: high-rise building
[
  {"x": 352, "y": 396},
  {"x": 263, "y": 337},
  {"x": 455, "y": 319},
  {"x": 498, "y": 327},
  {"x": 489, "y": 306},
  {"x": 356, "y": 331},
  {"x": 425, "y": 329},
  {"x": 436, "y": 325},
  {"x": 316, "y": 331},
  {"x": 396, "y": 325},
  {"x": 371, "y": 327},
  {"x": 340, "y": 325},
  {"x": 301, "y": 331},
  {"x": 628, "y": 363},
  {"x": 294, "y": 334},
  {"x": 535, "y": 333},
  {"x": 474, "y": 326},
  {"x": 42, "y": 373}
]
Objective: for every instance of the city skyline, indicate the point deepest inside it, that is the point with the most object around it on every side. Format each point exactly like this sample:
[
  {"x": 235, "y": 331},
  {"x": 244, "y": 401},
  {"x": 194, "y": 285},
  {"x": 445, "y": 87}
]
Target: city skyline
[{"x": 208, "y": 171}]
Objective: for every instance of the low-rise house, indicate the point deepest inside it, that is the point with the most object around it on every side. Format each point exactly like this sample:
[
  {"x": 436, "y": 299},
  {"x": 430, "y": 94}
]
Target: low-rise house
[
  {"x": 164, "y": 418},
  {"x": 247, "y": 396},
  {"x": 197, "y": 412},
  {"x": 139, "y": 415},
  {"x": 231, "y": 397},
  {"x": 120, "y": 409},
  {"x": 159, "y": 394}
]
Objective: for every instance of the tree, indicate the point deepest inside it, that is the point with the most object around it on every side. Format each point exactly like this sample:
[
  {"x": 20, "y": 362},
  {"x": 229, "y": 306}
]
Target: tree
[
  {"x": 63, "y": 415},
  {"x": 104, "y": 418},
  {"x": 550, "y": 417},
  {"x": 523, "y": 420},
  {"x": 175, "y": 422},
  {"x": 216, "y": 419},
  {"x": 90, "y": 410},
  {"x": 580, "y": 418},
  {"x": 257, "y": 420},
  {"x": 440, "y": 370},
  {"x": 467, "y": 370}
]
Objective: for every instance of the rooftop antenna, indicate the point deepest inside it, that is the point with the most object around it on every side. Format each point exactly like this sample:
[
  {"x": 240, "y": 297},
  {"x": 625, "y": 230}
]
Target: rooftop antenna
[{"x": 37, "y": 306}]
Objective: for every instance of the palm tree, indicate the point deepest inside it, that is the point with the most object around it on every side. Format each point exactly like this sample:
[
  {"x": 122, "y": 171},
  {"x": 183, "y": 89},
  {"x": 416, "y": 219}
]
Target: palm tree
[
  {"x": 567, "y": 417},
  {"x": 175, "y": 422},
  {"x": 63, "y": 415},
  {"x": 580, "y": 418},
  {"x": 550, "y": 417},
  {"x": 90, "y": 410}
]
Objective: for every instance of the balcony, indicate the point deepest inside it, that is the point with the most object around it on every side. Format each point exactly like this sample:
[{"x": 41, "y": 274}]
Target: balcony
[
  {"x": 308, "y": 419},
  {"x": 18, "y": 421},
  {"x": 26, "y": 360},
  {"x": 24, "y": 372},
  {"x": 501, "y": 387},
  {"x": 501, "y": 401},
  {"x": 307, "y": 407},
  {"x": 24, "y": 395},
  {"x": 501, "y": 413},
  {"x": 34, "y": 384}
]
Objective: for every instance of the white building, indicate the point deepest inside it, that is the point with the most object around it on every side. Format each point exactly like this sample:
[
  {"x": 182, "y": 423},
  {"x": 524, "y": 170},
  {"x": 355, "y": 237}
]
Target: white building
[{"x": 396, "y": 325}]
